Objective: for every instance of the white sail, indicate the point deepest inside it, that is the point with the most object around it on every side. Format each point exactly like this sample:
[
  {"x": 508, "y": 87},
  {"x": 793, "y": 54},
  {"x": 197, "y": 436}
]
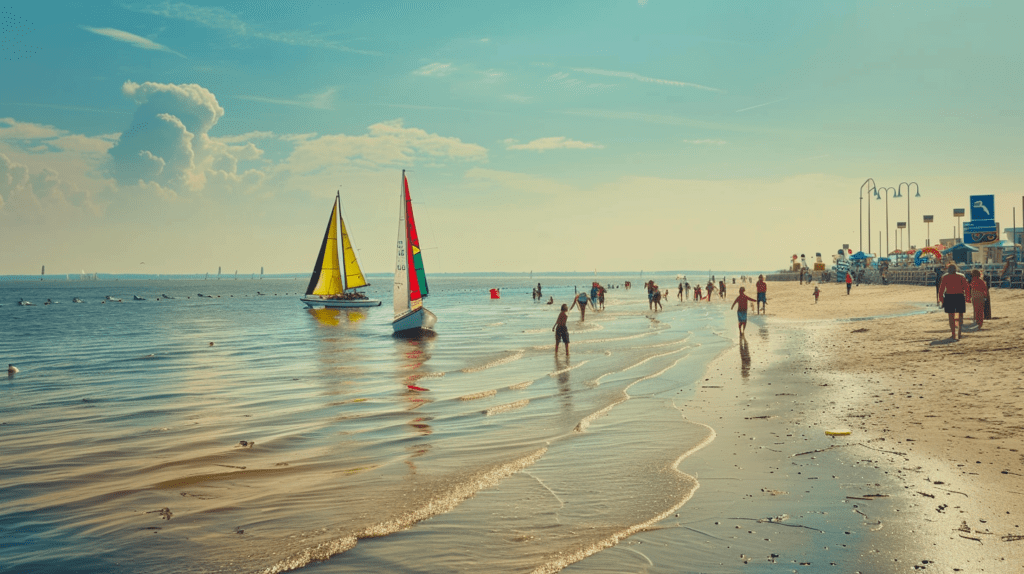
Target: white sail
[{"x": 401, "y": 270}]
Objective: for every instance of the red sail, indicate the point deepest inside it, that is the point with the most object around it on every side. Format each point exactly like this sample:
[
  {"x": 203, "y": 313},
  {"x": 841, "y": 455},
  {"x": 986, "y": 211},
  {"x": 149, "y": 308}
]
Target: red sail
[{"x": 412, "y": 245}]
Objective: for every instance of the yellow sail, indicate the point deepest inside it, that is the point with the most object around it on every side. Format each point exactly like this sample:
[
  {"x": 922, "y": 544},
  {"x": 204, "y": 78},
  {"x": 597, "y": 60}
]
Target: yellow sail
[
  {"x": 353, "y": 274},
  {"x": 329, "y": 280}
]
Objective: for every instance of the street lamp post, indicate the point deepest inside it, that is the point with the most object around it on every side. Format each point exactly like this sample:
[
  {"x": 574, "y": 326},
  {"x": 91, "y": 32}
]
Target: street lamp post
[
  {"x": 870, "y": 189},
  {"x": 898, "y": 194},
  {"x": 885, "y": 191}
]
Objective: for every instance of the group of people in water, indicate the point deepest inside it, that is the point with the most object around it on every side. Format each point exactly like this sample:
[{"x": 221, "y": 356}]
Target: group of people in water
[{"x": 654, "y": 298}]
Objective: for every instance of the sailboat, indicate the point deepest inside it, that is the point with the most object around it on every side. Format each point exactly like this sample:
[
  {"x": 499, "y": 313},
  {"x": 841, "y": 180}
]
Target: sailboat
[
  {"x": 411, "y": 317},
  {"x": 334, "y": 282}
]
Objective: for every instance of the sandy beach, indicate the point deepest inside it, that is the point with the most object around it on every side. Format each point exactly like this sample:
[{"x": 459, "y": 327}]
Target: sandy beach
[
  {"x": 930, "y": 478},
  {"x": 941, "y": 418}
]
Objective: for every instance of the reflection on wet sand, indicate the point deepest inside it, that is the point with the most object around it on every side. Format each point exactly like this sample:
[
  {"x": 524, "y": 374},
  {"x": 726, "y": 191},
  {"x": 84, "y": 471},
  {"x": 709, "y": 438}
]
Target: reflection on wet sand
[
  {"x": 744, "y": 357},
  {"x": 564, "y": 392}
]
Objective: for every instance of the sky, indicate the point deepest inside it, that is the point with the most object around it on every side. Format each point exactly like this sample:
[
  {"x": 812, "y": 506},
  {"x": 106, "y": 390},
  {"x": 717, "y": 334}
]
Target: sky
[{"x": 171, "y": 137}]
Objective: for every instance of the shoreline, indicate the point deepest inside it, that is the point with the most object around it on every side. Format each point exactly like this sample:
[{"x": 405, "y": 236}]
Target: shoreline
[{"x": 898, "y": 493}]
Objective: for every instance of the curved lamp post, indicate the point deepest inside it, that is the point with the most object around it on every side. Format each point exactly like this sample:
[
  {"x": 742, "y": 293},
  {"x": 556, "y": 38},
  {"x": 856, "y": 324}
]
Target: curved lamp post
[
  {"x": 899, "y": 194},
  {"x": 878, "y": 195},
  {"x": 868, "y": 185}
]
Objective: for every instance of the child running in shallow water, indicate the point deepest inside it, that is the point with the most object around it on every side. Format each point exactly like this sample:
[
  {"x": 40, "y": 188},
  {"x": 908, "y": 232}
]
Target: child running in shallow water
[
  {"x": 561, "y": 331},
  {"x": 741, "y": 311}
]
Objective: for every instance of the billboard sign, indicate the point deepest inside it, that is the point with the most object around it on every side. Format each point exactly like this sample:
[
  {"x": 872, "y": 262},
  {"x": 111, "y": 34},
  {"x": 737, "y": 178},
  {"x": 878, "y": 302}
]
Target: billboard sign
[
  {"x": 981, "y": 232},
  {"x": 929, "y": 218},
  {"x": 958, "y": 212},
  {"x": 983, "y": 207},
  {"x": 901, "y": 225}
]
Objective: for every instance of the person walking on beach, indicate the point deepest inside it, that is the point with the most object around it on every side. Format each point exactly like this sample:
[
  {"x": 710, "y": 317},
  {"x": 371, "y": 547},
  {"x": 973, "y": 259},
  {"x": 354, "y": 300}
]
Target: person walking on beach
[
  {"x": 600, "y": 298},
  {"x": 687, "y": 286},
  {"x": 762, "y": 294},
  {"x": 656, "y": 298},
  {"x": 680, "y": 290},
  {"x": 849, "y": 282},
  {"x": 938, "y": 280},
  {"x": 709, "y": 290},
  {"x": 952, "y": 297},
  {"x": 816, "y": 293},
  {"x": 696, "y": 293},
  {"x": 581, "y": 302},
  {"x": 561, "y": 331},
  {"x": 650, "y": 294},
  {"x": 721, "y": 288},
  {"x": 977, "y": 295},
  {"x": 741, "y": 311}
]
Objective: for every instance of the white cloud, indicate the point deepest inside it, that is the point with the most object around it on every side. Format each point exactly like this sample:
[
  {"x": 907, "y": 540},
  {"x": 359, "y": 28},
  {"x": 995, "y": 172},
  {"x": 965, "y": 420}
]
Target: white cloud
[
  {"x": 36, "y": 196},
  {"x": 128, "y": 37},
  {"x": 385, "y": 144},
  {"x": 168, "y": 142},
  {"x": 220, "y": 19},
  {"x": 545, "y": 144},
  {"x": 318, "y": 100},
  {"x": 435, "y": 69},
  {"x": 11, "y": 129},
  {"x": 762, "y": 105},
  {"x": 639, "y": 78}
]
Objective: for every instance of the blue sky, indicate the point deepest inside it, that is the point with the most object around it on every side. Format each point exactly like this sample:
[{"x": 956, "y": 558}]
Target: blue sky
[{"x": 538, "y": 136}]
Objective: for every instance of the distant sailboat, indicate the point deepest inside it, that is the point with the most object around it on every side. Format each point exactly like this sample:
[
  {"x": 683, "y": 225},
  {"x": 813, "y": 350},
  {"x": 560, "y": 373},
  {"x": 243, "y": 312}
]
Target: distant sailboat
[
  {"x": 334, "y": 281},
  {"x": 411, "y": 317},
  {"x": 218, "y": 272},
  {"x": 261, "y": 273}
]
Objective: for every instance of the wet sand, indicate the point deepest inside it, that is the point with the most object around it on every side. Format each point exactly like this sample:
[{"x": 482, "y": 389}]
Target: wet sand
[{"x": 930, "y": 478}]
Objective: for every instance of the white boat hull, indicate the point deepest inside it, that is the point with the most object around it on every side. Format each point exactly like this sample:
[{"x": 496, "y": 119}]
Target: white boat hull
[
  {"x": 312, "y": 302},
  {"x": 414, "y": 321}
]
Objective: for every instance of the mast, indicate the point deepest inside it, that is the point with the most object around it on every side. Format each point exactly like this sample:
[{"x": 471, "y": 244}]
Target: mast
[{"x": 341, "y": 260}]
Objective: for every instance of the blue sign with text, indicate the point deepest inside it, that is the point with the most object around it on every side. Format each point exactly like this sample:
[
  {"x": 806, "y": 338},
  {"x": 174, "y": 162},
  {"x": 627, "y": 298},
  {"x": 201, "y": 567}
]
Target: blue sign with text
[
  {"x": 983, "y": 207},
  {"x": 979, "y": 232}
]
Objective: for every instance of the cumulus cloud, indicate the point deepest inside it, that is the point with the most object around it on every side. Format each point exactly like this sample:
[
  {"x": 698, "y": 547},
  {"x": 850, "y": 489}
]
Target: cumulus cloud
[
  {"x": 168, "y": 142},
  {"x": 545, "y": 144},
  {"x": 36, "y": 196},
  {"x": 128, "y": 37}
]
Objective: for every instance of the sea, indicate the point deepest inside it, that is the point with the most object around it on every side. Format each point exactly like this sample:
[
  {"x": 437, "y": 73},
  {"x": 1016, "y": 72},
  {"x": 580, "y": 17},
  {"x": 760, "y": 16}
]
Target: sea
[{"x": 173, "y": 425}]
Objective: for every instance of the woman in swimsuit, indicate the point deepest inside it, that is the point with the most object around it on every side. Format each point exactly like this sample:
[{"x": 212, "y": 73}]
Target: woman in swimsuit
[{"x": 977, "y": 295}]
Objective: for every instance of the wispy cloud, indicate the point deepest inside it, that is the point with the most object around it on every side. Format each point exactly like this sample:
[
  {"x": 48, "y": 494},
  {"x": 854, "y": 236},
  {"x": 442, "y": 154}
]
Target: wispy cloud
[
  {"x": 761, "y": 105},
  {"x": 435, "y": 69},
  {"x": 639, "y": 78},
  {"x": 545, "y": 144},
  {"x": 218, "y": 18},
  {"x": 320, "y": 101},
  {"x": 129, "y": 38}
]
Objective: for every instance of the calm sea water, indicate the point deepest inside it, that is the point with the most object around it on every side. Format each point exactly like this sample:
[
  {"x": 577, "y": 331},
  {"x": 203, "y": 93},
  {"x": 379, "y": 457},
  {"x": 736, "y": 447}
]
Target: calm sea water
[{"x": 131, "y": 443}]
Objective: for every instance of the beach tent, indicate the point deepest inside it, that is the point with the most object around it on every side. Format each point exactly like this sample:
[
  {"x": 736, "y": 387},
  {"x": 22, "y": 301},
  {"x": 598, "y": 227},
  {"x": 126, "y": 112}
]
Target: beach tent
[{"x": 961, "y": 252}]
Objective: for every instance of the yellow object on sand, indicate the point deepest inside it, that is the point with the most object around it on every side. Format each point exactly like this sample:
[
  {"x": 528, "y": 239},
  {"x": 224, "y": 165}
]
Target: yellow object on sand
[{"x": 838, "y": 432}]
